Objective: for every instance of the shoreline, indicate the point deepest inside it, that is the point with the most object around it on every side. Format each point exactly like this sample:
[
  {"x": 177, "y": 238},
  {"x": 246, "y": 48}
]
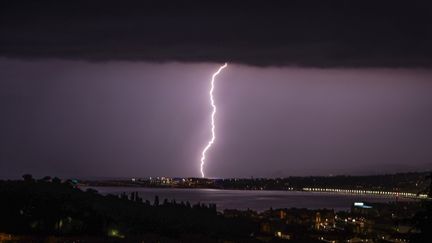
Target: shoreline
[{"x": 327, "y": 191}]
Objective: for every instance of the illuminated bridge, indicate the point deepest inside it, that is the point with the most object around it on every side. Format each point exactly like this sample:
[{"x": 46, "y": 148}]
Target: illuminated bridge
[{"x": 367, "y": 192}]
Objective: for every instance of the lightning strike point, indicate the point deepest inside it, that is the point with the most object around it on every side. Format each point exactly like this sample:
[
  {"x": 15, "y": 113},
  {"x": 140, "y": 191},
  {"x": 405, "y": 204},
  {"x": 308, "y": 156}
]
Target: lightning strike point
[{"x": 212, "y": 103}]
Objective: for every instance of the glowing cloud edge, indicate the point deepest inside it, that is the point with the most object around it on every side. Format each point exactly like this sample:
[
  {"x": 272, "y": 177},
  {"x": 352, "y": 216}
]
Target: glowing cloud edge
[{"x": 212, "y": 102}]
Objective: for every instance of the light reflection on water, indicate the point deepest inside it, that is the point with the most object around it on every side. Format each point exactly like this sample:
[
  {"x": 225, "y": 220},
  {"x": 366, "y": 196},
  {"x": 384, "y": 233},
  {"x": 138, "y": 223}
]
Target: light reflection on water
[{"x": 255, "y": 200}]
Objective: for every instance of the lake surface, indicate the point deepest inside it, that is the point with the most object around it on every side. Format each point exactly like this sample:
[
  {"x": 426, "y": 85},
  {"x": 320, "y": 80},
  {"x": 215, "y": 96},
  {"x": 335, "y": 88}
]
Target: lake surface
[{"x": 255, "y": 200}]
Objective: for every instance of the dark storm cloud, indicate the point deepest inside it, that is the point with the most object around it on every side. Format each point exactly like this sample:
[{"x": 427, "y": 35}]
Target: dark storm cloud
[{"x": 304, "y": 33}]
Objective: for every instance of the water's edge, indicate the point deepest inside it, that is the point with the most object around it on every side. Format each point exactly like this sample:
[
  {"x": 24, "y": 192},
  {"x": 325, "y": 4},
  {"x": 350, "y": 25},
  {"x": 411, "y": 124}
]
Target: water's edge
[{"x": 255, "y": 200}]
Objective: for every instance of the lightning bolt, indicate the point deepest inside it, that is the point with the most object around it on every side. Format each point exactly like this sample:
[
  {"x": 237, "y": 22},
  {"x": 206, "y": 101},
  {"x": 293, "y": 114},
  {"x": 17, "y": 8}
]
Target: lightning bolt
[{"x": 213, "y": 137}]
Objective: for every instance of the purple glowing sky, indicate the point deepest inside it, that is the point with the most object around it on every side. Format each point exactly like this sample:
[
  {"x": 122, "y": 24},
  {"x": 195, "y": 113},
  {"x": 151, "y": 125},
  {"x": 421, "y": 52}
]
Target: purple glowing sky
[{"x": 75, "y": 118}]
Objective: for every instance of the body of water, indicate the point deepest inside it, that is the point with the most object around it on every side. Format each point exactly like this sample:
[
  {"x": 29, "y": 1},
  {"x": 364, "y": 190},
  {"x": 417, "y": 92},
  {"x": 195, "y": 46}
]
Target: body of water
[{"x": 255, "y": 200}]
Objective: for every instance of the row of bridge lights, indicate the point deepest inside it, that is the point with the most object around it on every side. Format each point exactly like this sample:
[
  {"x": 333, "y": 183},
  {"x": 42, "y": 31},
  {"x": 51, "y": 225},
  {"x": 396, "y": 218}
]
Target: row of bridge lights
[{"x": 403, "y": 194}]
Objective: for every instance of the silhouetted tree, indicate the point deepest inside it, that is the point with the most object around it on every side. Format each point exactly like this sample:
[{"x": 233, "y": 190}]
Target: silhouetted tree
[
  {"x": 123, "y": 196},
  {"x": 156, "y": 201},
  {"x": 28, "y": 178}
]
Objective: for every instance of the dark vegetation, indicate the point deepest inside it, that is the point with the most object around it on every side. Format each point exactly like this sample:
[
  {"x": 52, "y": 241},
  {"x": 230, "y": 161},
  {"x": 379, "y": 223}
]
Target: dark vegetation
[{"x": 51, "y": 207}]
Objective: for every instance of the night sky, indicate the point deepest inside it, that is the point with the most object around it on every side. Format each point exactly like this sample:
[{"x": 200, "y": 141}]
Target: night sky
[{"x": 114, "y": 89}]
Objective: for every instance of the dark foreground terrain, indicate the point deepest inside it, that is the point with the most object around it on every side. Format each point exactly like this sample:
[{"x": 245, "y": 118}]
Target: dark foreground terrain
[{"x": 52, "y": 210}]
